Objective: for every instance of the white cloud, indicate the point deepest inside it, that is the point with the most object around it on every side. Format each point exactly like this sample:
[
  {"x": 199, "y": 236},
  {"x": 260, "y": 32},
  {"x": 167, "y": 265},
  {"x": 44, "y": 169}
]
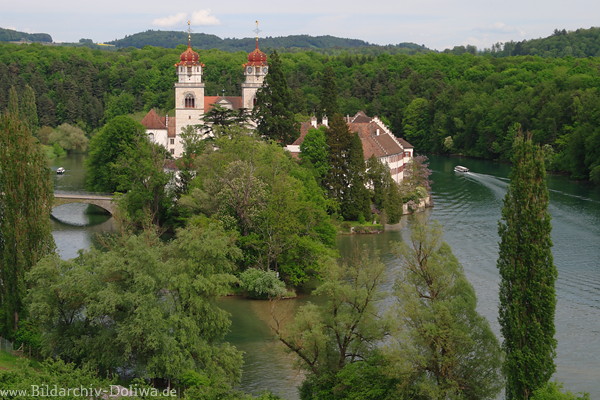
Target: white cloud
[
  {"x": 499, "y": 28},
  {"x": 171, "y": 20},
  {"x": 203, "y": 17}
]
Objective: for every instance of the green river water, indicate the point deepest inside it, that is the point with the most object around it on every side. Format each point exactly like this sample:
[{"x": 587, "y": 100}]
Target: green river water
[{"x": 468, "y": 206}]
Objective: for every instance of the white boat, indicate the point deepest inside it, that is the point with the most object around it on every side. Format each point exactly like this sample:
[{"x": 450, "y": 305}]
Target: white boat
[
  {"x": 460, "y": 168},
  {"x": 60, "y": 170}
]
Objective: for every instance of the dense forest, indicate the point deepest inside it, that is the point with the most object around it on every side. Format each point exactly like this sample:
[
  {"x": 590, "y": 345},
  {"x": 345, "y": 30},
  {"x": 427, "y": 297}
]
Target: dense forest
[
  {"x": 443, "y": 103},
  {"x": 172, "y": 39},
  {"x": 562, "y": 43},
  {"x": 9, "y": 35}
]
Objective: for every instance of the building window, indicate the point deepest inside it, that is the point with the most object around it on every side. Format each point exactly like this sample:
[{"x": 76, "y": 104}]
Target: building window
[
  {"x": 151, "y": 136},
  {"x": 172, "y": 151},
  {"x": 190, "y": 101},
  {"x": 172, "y": 141}
]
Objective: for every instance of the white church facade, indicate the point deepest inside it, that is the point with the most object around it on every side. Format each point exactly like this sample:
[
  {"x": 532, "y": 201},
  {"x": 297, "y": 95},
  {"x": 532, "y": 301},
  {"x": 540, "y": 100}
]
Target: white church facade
[{"x": 191, "y": 103}]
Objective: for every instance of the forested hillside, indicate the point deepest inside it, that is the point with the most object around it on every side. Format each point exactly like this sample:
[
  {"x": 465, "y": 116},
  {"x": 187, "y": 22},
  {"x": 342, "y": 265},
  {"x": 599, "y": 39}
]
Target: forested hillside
[
  {"x": 172, "y": 39},
  {"x": 9, "y": 35},
  {"x": 579, "y": 43},
  {"x": 439, "y": 102}
]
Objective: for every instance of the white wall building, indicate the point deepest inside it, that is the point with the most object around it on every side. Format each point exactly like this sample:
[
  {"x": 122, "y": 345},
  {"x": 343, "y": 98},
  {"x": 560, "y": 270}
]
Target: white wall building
[
  {"x": 376, "y": 140},
  {"x": 191, "y": 103}
]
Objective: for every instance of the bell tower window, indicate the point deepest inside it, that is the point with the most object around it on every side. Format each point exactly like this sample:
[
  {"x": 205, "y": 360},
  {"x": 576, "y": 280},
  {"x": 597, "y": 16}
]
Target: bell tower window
[{"x": 190, "y": 102}]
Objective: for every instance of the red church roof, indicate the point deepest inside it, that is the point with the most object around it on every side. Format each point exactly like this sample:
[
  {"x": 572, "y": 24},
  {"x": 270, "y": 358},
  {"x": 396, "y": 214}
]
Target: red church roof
[{"x": 153, "y": 121}]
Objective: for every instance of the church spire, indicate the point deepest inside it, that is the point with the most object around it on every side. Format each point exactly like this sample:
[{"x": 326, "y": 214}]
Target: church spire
[
  {"x": 189, "y": 34},
  {"x": 257, "y": 31}
]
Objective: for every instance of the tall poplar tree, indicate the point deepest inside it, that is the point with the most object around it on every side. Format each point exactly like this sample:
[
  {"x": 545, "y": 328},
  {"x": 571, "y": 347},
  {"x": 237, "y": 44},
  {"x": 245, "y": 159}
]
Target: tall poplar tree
[
  {"x": 25, "y": 203},
  {"x": 272, "y": 112},
  {"x": 28, "y": 109},
  {"x": 528, "y": 275}
]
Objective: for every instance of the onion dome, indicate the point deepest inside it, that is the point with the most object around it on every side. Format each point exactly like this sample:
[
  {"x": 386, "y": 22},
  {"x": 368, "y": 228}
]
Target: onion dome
[
  {"x": 189, "y": 58},
  {"x": 256, "y": 57}
]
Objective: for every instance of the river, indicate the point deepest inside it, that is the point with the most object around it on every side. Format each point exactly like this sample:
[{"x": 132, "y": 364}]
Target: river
[{"x": 468, "y": 206}]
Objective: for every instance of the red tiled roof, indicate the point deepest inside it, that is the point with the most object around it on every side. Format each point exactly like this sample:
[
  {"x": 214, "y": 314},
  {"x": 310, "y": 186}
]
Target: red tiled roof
[
  {"x": 171, "y": 128},
  {"x": 304, "y": 128},
  {"x": 153, "y": 121},
  {"x": 405, "y": 144},
  {"x": 375, "y": 138},
  {"x": 361, "y": 118},
  {"x": 210, "y": 101}
]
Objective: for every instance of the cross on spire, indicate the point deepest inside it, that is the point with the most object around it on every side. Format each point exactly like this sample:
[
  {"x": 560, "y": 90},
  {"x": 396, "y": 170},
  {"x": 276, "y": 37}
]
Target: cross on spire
[
  {"x": 257, "y": 31},
  {"x": 189, "y": 34}
]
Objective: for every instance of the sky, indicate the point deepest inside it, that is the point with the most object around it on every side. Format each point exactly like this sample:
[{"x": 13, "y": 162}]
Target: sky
[{"x": 437, "y": 24}]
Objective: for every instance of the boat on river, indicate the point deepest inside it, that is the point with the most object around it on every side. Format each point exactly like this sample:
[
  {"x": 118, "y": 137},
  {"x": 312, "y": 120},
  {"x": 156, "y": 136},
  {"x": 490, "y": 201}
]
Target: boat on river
[
  {"x": 460, "y": 168},
  {"x": 60, "y": 170}
]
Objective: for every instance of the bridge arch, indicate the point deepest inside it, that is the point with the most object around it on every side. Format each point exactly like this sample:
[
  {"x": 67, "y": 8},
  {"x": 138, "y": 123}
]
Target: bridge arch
[{"x": 106, "y": 202}]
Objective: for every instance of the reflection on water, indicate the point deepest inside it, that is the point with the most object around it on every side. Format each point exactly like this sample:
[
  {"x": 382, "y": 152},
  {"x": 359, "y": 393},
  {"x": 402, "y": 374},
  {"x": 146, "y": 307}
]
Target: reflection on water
[{"x": 75, "y": 226}]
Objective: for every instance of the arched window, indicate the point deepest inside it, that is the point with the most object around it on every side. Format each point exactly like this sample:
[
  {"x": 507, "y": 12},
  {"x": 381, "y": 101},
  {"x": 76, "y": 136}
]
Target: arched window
[{"x": 190, "y": 101}]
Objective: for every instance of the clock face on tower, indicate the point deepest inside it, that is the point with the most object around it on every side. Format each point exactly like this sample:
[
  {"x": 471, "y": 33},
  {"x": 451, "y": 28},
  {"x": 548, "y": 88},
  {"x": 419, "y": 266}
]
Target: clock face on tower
[
  {"x": 249, "y": 70},
  {"x": 265, "y": 69}
]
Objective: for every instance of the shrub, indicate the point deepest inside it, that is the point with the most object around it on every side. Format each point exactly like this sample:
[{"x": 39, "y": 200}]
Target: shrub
[{"x": 259, "y": 284}]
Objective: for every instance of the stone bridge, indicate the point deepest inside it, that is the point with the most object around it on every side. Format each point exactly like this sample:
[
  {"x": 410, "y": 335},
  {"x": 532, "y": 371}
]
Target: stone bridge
[{"x": 103, "y": 201}]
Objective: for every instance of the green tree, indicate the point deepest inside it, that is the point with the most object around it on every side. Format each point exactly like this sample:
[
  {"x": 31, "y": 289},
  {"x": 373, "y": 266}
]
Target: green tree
[
  {"x": 26, "y": 198},
  {"x": 28, "y": 109},
  {"x": 385, "y": 192},
  {"x": 528, "y": 275},
  {"x": 416, "y": 122},
  {"x": 219, "y": 118},
  {"x": 13, "y": 102},
  {"x": 142, "y": 306},
  {"x": 313, "y": 150},
  {"x": 450, "y": 349},
  {"x": 343, "y": 330},
  {"x": 193, "y": 147},
  {"x": 70, "y": 138},
  {"x": 272, "y": 112},
  {"x": 356, "y": 201},
  {"x": 106, "y": 147},
  {"x": 121, "y": 104},
  {"x": 554, "y": 391},
  {"x": 328, "y": 104},
  {"x": 345, "y": 180},
  {"x": 274, "y": 203},
  {"x": 141, "y": 174}
]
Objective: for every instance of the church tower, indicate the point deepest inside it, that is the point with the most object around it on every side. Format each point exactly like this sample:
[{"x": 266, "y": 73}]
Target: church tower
[
  {"x": 255, "y": 71},
  {"x": 189, "y": 94}
]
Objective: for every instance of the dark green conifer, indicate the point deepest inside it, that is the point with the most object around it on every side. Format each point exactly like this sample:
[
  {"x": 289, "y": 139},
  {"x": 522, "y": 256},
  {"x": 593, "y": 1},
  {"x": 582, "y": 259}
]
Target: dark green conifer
[
  {"x": 274, "y": 118},
  {"x": 528, "y": 275},
  {"x": 345, "y": 180},
  {"x": 357, "y": 200},
  {"x": 328, "y": 105}
]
